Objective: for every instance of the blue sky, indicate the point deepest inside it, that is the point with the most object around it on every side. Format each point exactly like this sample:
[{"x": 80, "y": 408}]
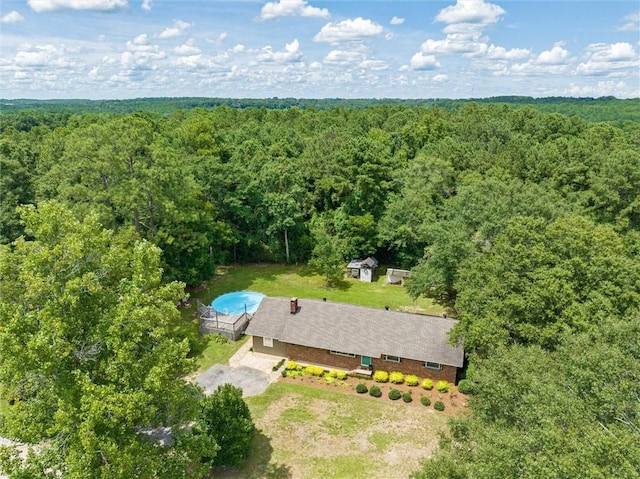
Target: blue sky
[{"x": 106, "y": 49}]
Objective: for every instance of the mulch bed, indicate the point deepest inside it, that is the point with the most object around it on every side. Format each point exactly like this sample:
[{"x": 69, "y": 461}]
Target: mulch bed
[{"x": 455, "y": 402}]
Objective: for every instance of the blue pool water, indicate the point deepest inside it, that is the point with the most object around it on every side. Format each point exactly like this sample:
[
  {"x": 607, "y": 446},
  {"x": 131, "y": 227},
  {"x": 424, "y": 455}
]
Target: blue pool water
[{"x": 235, "y": 303}]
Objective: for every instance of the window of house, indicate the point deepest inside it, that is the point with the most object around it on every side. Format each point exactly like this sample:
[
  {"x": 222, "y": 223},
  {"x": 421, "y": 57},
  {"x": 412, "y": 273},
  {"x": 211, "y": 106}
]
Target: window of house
[
  {"x": 392, "y": 359},
  {"x": 340, "y": 353},
  {"x": 431, "y": 365},
  {"x": 267, "y": 342}
]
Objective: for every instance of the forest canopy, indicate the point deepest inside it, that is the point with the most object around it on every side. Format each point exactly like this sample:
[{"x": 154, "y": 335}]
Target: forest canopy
[{"x": 521, "y": 216}]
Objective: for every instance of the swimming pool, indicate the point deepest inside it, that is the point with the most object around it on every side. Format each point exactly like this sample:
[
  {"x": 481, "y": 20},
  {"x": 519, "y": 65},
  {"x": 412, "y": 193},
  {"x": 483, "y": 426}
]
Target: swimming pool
[{"x": 237, "y": 302}]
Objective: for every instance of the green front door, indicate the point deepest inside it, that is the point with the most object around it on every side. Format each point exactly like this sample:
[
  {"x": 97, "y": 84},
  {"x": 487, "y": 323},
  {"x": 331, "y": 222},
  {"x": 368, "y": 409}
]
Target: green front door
[{"x": 365, "y": 361}]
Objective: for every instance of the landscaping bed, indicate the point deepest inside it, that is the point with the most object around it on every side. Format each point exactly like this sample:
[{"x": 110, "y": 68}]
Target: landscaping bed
[{"x": 455, "y": 403}]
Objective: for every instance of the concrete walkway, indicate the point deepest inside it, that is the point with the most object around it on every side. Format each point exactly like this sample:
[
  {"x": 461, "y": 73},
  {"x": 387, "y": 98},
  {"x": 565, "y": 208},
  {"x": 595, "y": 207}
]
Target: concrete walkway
[{"x": 252, "y": 372}]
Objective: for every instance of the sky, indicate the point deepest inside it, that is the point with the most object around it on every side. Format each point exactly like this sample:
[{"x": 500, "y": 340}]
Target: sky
[{"x": 119, "y": 49}]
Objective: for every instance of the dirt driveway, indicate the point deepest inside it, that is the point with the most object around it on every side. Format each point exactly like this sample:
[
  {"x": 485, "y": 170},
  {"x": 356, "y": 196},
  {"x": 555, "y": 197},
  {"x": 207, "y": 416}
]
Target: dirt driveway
[{"x": 252, "y": 372}]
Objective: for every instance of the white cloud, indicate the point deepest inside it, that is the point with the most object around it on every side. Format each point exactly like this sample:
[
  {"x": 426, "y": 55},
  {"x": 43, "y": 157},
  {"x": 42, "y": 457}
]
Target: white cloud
[
  {"x": 222, "y": 37},
  {"x": 348, "y": 30},
  {"x": 315, "y": 66},
  {"x": 556, "y": 56},
  {"x": 608, "y": 59},
  {"x": 12, "y": 17},
  {"x": 396, "y": 21},
  {"x": 178, "y": 29},
  {"x": 457, "y": 43},
  {"x": 374, "y": 65},
  {"x": 291, "y": 53},
  {"x": 501, "y": 53},
  {"x": 41, "y": 57},
  {"x": 146, "y": 5},
  {"x": 470, "y": 12},
  {"x": 140, "y": 54},
  {"x": 298, "y": 8},
  {"x": 187, "y": 49},
  {"x": 631, "y": 23},
  {"x": 603, "y": 88},
  {"x": 420, "y": 61},
  {"x": 239, "y": 48},
  {"x": 441, "y": 77},
  {"x": 40, "y": 6},
  {"x": 343, "y": 57}
]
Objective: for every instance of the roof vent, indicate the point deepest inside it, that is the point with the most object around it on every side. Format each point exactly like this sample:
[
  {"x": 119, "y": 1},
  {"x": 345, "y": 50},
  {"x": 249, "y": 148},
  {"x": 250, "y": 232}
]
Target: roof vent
[{"x": 294, "y": 305}]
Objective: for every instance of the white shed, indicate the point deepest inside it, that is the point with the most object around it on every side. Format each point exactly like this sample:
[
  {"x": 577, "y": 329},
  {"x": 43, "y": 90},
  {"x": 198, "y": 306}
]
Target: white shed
[
  {"x": 364, "y": 270},
  {"x": 397, "y": 276}
]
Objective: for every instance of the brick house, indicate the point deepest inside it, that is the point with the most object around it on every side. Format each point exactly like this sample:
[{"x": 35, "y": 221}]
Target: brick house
[{"x": 353, "y": 337}]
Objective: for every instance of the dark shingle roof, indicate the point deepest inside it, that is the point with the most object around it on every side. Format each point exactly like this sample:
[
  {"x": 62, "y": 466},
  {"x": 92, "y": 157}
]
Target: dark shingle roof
[{"x": 357, "y": 329}]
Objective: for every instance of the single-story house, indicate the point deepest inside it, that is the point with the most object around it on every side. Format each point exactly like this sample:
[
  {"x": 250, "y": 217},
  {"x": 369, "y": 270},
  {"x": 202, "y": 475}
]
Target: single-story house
[
  {"x": 364, "y": 270},
  {"x": 350, "y": 337},
  {"x": 397, "y": 276}
]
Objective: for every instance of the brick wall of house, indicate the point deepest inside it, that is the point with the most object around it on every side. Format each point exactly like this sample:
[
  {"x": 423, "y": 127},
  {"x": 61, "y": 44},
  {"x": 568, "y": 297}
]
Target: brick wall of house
[
  {"x": 321, "y": 356},
  {"x": 407, "y": 366}
]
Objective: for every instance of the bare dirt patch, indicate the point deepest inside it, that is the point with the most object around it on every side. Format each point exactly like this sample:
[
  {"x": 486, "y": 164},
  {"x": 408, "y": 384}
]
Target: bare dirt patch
[{"x": 325, "y": 430}]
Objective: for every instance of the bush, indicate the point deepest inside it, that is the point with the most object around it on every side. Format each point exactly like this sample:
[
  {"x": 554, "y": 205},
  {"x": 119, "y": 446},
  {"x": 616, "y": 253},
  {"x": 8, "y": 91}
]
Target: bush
[
  {"x": 291, "y": 365},
  {"x": 361, "y": 388},
  {"x": 406, "y": 397},
  {"x": 427, "y": 384},
  {"x": 438, "y": 406},
  {"x": 342, "y": 375},
  {"x": 279, "y": 365},
  {"x": 442, "y": 386},
  {"x": 225, "y": 418},
  {"x": 375, "y": 392},
  {"x": 395, "y": 394},
  {"x": 425, "y": 400},
  {"x": 466, "y": 386},
  {"x": 314, "y": 371},
  {"x": 411, "y": 380},
  {"x": 332, "y": 373},
  {"x": 396, "y": 377},
  {"x": 218, "y": 339},
  {"x": 381, "y": 376}
]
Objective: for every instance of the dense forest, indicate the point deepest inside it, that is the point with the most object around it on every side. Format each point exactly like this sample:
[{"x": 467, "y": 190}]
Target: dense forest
[{"x": 521, "y": 216}]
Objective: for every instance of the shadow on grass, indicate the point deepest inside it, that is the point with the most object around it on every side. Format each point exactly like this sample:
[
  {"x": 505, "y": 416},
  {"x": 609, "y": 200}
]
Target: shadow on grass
[{"x": 258, "y": 465}]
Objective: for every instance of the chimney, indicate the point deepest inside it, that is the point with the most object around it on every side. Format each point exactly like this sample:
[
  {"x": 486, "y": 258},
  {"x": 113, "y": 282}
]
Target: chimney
[{"x": 294, "y": 305}]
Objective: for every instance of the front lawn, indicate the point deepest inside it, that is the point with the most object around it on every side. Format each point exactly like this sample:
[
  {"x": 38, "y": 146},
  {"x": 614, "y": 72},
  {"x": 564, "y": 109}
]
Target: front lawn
[{"x": 306, "y": 432}]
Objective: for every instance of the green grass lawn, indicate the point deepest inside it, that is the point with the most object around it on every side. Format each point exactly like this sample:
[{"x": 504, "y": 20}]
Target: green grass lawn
[
  {"x": 304, "y": 282},
  {"x": 305, "y": 432}
]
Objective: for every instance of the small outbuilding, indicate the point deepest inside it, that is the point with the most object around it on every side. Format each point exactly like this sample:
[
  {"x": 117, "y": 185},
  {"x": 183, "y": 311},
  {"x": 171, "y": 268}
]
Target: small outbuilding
[
  {"x": 397, "y": 276},
  {"x": 364, "y": 270}
]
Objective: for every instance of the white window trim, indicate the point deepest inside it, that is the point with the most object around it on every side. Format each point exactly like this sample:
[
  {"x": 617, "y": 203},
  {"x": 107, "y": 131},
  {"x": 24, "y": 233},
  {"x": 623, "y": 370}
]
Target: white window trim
[
  {"x": 267, "y": 342},
  {"x": 392, "y": 359},
  {"x": 428, "y": 363},
  {"x": 340, "y": 353}
]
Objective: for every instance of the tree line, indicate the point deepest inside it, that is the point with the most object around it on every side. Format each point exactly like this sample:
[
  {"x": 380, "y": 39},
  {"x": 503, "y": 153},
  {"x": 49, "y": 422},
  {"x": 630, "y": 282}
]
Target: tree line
[{"x": 524, "y": 223}]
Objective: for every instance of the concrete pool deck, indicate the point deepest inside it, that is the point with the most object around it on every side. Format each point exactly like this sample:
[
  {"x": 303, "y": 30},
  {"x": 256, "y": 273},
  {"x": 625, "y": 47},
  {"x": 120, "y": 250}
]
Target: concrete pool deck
[{"x": 253, "y": 372}]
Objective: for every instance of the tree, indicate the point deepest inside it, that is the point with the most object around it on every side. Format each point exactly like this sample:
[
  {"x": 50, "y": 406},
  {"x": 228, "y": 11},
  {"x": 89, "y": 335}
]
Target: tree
[
  {"x": 226, "y": 419},
  {"x": 573, "y": 412},
  {"x": 538, "y": 280},
  {"x": 327, "y": 255},
  {"x": 86, "y": 355}
]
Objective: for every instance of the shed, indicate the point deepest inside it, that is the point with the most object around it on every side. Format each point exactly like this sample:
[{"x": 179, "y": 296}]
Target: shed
[
  {"x": 397, "y": 276},
  {"x": 364, "y": 270}
]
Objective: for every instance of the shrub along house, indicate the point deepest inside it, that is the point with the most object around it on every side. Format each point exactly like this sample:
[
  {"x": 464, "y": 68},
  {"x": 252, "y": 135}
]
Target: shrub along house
[{"x": 352, "y": 337}]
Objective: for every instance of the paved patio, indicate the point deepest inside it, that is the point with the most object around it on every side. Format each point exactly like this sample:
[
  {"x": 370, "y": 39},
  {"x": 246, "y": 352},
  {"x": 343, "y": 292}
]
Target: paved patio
[{"x": 251, "y": 371}]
